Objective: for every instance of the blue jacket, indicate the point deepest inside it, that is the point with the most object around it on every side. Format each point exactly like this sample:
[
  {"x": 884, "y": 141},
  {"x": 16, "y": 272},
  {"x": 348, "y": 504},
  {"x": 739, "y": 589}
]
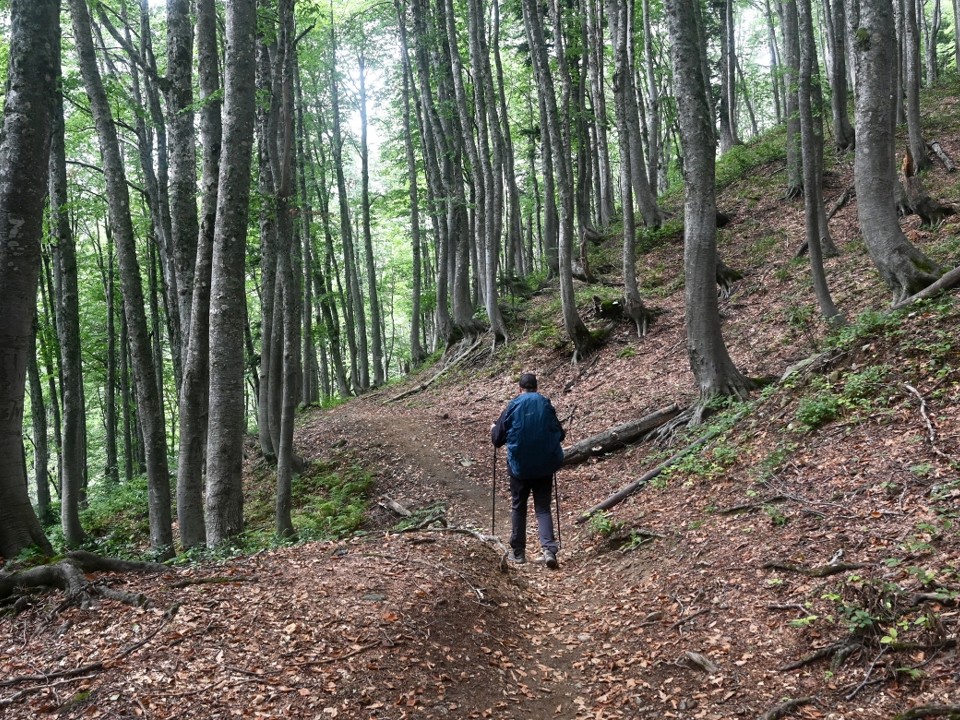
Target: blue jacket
[{"x": 532, "y": 433}]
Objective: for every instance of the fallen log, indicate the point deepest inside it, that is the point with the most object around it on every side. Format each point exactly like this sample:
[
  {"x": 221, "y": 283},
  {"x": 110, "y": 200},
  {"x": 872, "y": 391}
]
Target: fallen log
[
  {"x": 424, "y": 385},
  {"x": 942, "y": 156},
  {"x": 619, "y": 436},
  {"x": 925, "y": 711},
  {"x": 628, "y": 490}
]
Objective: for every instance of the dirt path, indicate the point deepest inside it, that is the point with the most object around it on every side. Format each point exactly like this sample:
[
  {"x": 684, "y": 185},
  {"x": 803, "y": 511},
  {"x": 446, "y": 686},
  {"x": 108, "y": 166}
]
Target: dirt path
[{"x": 424, "y": 460}]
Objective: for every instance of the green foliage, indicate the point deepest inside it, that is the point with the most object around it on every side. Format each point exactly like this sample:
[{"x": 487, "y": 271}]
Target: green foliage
[
  {"x": 330, "y": 502},
  {"x": 116, "y": 518},
  {"x": 741, "y": 160},
  {"x": 602, "y": 524},
  {"x": 818, "y": 409}
]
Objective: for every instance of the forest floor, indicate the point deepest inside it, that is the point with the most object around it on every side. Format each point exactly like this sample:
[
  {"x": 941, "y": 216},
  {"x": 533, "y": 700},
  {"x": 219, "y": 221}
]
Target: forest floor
[{"x": 804, "y": 563}]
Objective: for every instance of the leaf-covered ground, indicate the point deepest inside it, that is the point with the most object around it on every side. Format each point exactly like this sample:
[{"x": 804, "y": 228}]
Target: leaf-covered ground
[{"x": 805, "y": 563}]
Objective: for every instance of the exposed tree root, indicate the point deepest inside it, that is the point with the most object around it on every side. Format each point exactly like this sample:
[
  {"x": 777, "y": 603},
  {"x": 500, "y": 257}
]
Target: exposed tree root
[
  {"x": 69, "y": 575},
  {"x": 726, "y": 277},
  {"x": 784, "y": 709},
  {"x": 832, "y": 650}
]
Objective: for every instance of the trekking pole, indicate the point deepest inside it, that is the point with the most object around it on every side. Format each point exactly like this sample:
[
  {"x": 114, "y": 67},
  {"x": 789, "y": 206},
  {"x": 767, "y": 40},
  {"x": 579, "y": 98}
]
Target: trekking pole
[
  {"x": 493, "y": 512},
  {"x": 556, "y": 501}
]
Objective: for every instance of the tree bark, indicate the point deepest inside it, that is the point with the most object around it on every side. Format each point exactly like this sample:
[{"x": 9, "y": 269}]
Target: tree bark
[
  {"x": 227, "y": 287},
  {"x": 912, "y": 81},
  {"x": 904, "y": 268},
  {"x": 712, "y": 367},
  {"x": 811, "y": 133},
  {"x": 194, "y": 392},
  {"x": 144, "y": 367},
  {"x": 29, "y": 104},
  {"x": 791, "y": 43},
  {"x": 73, "y": 438},
  {"x": 835, "y": 16}
]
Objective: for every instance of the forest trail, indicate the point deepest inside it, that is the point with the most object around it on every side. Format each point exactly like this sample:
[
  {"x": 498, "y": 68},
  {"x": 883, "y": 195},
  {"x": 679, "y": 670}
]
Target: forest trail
[{"x": 427, "y": 460}]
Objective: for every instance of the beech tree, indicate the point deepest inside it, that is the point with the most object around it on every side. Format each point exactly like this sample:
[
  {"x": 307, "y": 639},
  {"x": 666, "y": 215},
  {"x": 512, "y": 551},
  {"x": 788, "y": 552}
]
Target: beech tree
[
  {"x": 710, "y": 361},
  {"x": 24, "y": 149},
  {"x": 225, "y": 428},
  {"x": 905, "y": 269}
]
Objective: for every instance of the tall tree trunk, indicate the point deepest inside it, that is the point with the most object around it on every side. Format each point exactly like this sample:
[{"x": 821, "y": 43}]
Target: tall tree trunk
[
  {"x": 417, "y": 352},
  {"x": 835, "y": 16},
  {"x": 911, "y": 79},
  {"x": 376, "y": 333},
  {"x": 710, "y": 361},
  {"x": 144, "y": 368},
  {"x": 356, "y": 314},
  {"x": 184, "y": 224},
  {"x": 34, "y": 30},
  {"x": 74, "y": 435},
  {"x": 811, "y": 132},
  {"x": 728, "y": 78},
  {"x": 902, "y": 266},
  {"x": 791, "y": 43},
  {"x": 112, "y": 470},
  {"x": 227, "y": 415},
  {"x": 72, "y": 531},
  {"x": 931, "y": 27},
  {"x": 576, "y": 330},
  {"x": 194, "y": 397},
  {"x": 776, "y": 77}
]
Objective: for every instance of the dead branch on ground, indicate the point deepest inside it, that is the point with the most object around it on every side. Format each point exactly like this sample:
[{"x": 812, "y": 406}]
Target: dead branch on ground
[
  {"x": 619, "y": 436},
  {"x": 817, "y": 572},
  {"x": 924, "y": 711},
  {"x": 931, "y": 433},
  {"x": 446, "y": 368},
  {"x": 784, "y": 709},
  {"x": 942, "y": 156}
]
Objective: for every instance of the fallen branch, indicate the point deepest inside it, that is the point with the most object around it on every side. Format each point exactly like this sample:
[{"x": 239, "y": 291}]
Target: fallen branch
[
  {"x": 924, "y": 711},
  {"x": 688, "y": 618},
  {"x": 817, "y": 572},
  {"x": 619, "y": 436},
  {"x": 942, "y": 156},
  {"x": 784, "y": 709},
  {"x": 931, "y": 433},
  {"x": 820, "y": 654},
  {"x": 392, "y": 505},
  {"x": 446, "y": 368},
  {"x": 863, "y": 683},
  {"x": 947, "y": 281},
  {"x": 753, "y": 506}
]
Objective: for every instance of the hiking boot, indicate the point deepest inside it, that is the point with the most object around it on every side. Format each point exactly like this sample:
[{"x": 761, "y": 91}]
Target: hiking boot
[
  {"x": 550, "y": 558},
  {"x": 517, "y": 556}
]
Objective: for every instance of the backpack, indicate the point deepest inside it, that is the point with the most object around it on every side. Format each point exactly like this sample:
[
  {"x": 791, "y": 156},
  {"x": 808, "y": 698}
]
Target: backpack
[{"x": 533, "y": 438}]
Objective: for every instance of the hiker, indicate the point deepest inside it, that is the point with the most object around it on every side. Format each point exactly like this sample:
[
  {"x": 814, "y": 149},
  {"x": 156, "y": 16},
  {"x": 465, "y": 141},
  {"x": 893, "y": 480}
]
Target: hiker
[{"x": 532, "y": 433}]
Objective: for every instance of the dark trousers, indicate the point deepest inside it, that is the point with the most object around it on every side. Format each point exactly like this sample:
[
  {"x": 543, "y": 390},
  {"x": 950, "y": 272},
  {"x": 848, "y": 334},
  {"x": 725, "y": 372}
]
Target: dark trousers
[{"x": 520, "y": 492}]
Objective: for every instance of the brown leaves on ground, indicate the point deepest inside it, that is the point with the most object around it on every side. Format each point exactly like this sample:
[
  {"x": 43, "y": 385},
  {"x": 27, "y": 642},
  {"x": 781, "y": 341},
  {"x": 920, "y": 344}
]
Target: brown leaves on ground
[{"x": 683, "y": 606}]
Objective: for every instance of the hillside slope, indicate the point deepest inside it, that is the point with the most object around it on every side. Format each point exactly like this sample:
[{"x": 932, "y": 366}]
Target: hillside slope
[{"x": 804, "y": 563}]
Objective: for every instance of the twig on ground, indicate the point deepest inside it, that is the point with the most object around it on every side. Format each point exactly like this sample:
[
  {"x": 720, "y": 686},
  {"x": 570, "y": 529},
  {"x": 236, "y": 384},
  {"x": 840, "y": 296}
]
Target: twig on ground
[
  {"x": 853, "y": 693},
  {"x": 931, "y": 433},
  {"x": 924, "y": 711},
  {"x": 688, "y": 618},
  {"x": 817, "y": 572}
]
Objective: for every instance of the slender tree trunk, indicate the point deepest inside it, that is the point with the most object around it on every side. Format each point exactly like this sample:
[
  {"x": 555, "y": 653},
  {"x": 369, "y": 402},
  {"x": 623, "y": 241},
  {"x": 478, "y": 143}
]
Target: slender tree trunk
[
  {"x": 184, "y": 224},
  {"x": 791, "y": 42},
  {"x": 376, "y": 335},
  {"x": 74, "y": 435},
  {"x": 148, "y": 394},
  {"x": 811, "y": 132},
  {"x": 776, "y": 78},
  {"x": 931, "y": 26},
  {"x": 911, "y": 77},
  {"x": 194, "y": 394},
  {"x": 227, "y": 415},
  {"x": 69, "y": 505},
  {"x": 29, "y": 103},
  {"x": 575, "y": 328},
  {"x": 843, "y": 135}
]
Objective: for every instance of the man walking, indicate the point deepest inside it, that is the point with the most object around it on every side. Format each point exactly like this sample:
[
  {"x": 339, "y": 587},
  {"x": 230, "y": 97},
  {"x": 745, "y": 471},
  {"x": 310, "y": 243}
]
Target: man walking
[{"x": 532, "y": 433}]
